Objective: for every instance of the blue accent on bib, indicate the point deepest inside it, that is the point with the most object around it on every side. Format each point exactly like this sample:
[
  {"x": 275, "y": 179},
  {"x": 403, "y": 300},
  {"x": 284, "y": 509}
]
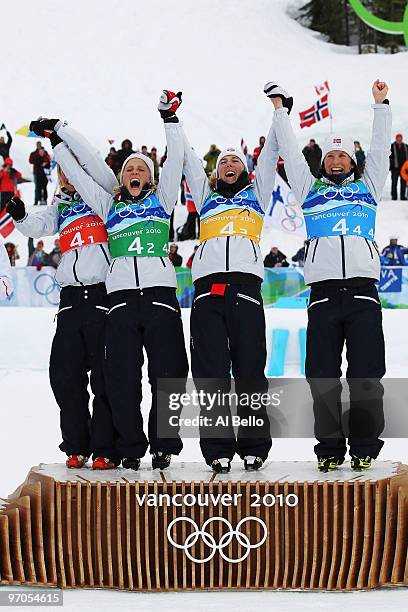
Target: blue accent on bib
[{"x": 340, "y": 210}]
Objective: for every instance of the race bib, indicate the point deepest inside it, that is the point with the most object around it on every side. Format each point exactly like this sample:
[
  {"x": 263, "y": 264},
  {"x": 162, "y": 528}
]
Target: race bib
[
  {"x": 237, "y": 216},
  {"x": 138, "y": 229},
  {"x": 79, "y": 226},
  {"x": 344, "y": 210}
]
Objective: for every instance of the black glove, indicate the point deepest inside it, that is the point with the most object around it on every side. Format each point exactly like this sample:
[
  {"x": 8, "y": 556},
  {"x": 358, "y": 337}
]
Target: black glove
[
  {"x": 16, "y": 209},
  {"x": 54, "y": 139},
  {"x": 273, "y": 90},
  {"x": 42, "y": 124},
  {"x": 168, "y": 104}
]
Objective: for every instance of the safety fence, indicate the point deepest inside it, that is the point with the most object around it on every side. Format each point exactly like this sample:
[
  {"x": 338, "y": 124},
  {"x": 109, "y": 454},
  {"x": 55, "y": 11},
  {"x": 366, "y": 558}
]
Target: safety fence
[{"x": 282, "y": 287}]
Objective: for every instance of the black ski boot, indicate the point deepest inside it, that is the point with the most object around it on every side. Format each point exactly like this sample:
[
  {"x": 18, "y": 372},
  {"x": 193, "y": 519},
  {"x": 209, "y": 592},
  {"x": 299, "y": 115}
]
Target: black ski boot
[
  {"x": 221, "y": 466},
  {"x": 358, "y": 464},
  {"x": 328, "y": 464},
  {"x": 252, "y": 464},
  {"x": 131, "y": 463},
  {"x": 160, "y": 461}
]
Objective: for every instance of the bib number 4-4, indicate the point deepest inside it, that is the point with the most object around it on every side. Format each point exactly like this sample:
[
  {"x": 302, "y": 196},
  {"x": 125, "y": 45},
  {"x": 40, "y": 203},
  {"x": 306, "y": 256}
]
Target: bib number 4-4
[{"x": 342, "y": 228}]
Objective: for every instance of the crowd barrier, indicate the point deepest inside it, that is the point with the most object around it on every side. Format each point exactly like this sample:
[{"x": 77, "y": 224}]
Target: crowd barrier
[{"x": 282, "y": 288}]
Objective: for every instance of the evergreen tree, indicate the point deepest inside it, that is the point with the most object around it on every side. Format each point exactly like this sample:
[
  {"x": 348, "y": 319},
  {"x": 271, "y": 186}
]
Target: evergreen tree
[{"x": 336, "y": 20}]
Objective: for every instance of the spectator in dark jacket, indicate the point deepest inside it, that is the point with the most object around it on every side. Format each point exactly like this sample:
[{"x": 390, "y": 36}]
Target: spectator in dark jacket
[
  {"x": 163, "y": 158},
  {"x": 125, "y": 151},
  {"x": 9, "y": 178},
  {"x": 360, "y": 156},
  {"x": 153, "y": 157},
  {"x": 313, "y": 156},
  {"x": 399, "y": 155},
  {"x": 257, "y": 150},
  {"x": 5, "y": 146},
  {"x": 211, "y": 159},
  {"x": 112, "y": 160},
  {"x": 299, "y": 257},
  {"x": 41, "y": 162},
  {"x": 275, "y": 259},
  {"x": 174, "y": 257},
  {"x": 393, "y": 253}
]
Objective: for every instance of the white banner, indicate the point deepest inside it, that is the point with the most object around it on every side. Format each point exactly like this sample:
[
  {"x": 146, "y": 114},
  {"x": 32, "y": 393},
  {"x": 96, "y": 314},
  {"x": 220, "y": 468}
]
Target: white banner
[
  {"x": 284, "y": 212},
  {"x": 34, "y": 288}
]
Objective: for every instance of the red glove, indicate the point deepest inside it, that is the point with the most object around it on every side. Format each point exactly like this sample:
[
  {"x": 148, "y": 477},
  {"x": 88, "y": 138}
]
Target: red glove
[{"x": 168, "y": 104}]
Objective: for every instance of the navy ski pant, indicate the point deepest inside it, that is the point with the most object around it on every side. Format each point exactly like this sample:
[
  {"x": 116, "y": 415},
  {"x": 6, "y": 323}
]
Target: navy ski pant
[
  {"x": 76, "y": 360},
  {"x": 147, "y": 319},
  {"x": 350, "y": 316},
  {"x": 228, "y": 336}
]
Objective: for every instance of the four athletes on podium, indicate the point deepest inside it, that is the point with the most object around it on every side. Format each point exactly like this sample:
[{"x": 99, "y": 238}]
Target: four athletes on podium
[{"x": 118, "y": 294}]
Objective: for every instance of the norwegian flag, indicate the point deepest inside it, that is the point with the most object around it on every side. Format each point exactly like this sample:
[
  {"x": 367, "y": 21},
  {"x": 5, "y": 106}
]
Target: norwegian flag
[
  {"x": 6, "y": 224},
  {"x": 315, "y": 113},
  {"x": 321, "y": 89}
]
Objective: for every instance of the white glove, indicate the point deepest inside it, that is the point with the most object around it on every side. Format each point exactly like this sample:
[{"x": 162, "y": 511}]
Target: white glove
[
  {"x": 273, "y": 90},
  {"x": 6, "y": 287}
]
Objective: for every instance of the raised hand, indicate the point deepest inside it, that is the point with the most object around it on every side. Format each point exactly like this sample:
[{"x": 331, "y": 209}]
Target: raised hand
[
  {"x": 168, "y": 105},
  {"x": 16, "y": 209},
  {"x": 42, "y": 125},
  {"x": 276, "y": 93},
  {"x": 380, "y": 91}
]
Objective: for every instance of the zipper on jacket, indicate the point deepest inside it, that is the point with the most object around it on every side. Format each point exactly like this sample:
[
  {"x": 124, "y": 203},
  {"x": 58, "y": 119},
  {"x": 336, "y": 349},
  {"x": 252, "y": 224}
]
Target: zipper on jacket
[
  {"x": 112, "y": 264},
  {"x": 227, "y": 254},
  {"x": 163, "y": 262},
  {"x": 314, "y": 250},
  {"x": 104, "y": 254},
  {"x": 369, "y": 247},
  {"x": 136, "y": 271},
  {"x": 254, "y": 249},
  {"x": 343, "y": 257},
  {"x": 74, "y": 269},
  {"x": 202, "y": 249}
]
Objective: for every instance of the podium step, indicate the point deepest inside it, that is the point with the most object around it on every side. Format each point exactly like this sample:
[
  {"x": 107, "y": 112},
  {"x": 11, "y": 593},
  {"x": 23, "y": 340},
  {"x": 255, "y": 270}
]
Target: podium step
[{"x": 285, "y": 527}]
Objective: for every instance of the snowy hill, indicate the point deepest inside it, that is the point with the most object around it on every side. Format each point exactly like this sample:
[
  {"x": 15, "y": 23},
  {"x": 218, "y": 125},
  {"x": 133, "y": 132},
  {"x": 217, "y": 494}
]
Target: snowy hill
[{"x": 103, "y": 69}]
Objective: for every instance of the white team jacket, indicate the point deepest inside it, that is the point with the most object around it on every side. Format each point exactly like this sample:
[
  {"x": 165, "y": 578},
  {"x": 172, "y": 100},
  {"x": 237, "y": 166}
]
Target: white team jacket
[
  {"x": 338, "y": 257},
  {"x": 124, "y": 272},
  {"x": 230, "y": 253},
  {"x": 6, "y": 282}
]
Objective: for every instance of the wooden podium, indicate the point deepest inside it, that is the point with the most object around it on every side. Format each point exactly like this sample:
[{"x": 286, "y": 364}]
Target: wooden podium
[{"x": 286, "y": 527}]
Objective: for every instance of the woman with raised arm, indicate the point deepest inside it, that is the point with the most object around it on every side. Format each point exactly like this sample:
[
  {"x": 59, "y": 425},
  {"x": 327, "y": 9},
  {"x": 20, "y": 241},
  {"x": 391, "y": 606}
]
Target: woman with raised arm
[
  {"x": 342, "y": 265},
  {"x": 77, "y": 349},
  {"x": 144, "y": 312},
  {"x": 227, "y": 317}
]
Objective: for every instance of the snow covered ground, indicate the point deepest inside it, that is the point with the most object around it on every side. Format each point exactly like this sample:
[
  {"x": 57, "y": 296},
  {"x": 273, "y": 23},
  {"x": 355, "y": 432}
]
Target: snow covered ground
[{"x": 102, "y": 65}]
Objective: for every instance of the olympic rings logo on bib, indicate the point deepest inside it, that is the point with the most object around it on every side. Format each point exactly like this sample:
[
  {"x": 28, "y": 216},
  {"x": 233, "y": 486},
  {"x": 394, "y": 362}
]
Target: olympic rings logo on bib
[
  {"x": 236, "y": 200},
  {"x": 125, "y": 210},
  {"x": 346, "y": 191},
  {"x": 210, "y": 541}
]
